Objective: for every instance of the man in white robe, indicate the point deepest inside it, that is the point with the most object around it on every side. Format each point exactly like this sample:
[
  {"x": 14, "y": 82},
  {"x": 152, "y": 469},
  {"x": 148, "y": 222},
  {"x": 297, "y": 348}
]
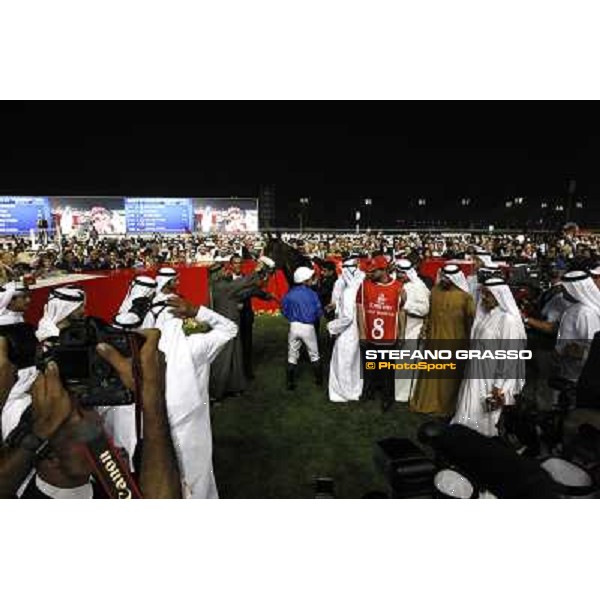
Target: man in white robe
[
  {"x": 416, "y": 308},
  {"x": 579, "y": 323},
  {"x": 489, "y": 384},
  {"x": 119, "y": 421},
  {"x": 14, "y": 301},
  {"x": 188, "y": 360},
  {"x": 345, "y": 377}
]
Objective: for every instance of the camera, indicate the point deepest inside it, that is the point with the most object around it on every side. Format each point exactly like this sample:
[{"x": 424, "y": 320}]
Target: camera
[
  {"x": 485, "y": 273},
  {"x": 87, "y": 377},
  {"x": 524, "y": 275},
  {"x": 22, "y": 344}
]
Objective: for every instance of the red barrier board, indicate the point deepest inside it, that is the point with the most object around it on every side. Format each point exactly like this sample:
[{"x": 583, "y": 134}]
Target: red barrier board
[{"x": 105, "y": 294}]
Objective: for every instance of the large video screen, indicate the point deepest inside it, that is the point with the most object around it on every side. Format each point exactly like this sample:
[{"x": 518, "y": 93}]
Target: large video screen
[
  {"x": 158, "y": 215},
  {"x": 77, "y": 215},
  {"x": 20, "y": 214},
  {"x": 225, "y": 215}
]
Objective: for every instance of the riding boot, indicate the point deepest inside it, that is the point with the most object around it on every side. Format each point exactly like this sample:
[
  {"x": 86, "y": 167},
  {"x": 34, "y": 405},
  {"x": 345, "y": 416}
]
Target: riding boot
[
  {"x": 318, "y": 371},
  {"x": 291, "y": 376}
]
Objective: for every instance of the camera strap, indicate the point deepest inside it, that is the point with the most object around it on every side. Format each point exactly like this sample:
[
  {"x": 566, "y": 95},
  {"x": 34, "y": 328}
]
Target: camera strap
[
  {"x": 109, "y": 468},
  {"x": 162, "y": 305},
  {"x": 136, "y": 369}
]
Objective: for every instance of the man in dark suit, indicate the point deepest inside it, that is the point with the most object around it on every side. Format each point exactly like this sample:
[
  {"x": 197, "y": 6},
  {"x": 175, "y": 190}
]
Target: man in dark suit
[{"x": 247, "y": 314}]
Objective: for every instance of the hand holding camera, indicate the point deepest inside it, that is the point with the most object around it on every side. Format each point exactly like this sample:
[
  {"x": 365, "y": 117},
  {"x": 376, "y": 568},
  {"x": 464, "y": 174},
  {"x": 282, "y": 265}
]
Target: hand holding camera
[
  {"x": 151, "y": 362},
  {"x": 51, "y": 403},
  {"x": 90, "y": 380}
]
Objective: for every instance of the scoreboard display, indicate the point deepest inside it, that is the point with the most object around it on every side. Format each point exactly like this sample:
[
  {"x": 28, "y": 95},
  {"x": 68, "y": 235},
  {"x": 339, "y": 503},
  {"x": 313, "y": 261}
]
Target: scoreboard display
[
  {"x": 112, "y": 215},
  {"x": 19, "y": 214},
  {"x": 161, "y": 215}
]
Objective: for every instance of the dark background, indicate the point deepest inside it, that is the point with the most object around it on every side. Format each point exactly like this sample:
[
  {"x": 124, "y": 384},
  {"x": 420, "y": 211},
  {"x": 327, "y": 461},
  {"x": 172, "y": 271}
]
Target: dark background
[{"x": 334, "y": 153}]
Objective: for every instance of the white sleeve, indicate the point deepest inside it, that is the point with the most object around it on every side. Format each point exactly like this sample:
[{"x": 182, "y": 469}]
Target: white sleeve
[
  {"x": 417, "y": 301},
  {"x": 339, "y": 325},
  {"x": 346, "y": 315},
  {"x": 206, "y": 346},
  {"x": 338, "y": 290},
  {"x": 510, "y": 373}
]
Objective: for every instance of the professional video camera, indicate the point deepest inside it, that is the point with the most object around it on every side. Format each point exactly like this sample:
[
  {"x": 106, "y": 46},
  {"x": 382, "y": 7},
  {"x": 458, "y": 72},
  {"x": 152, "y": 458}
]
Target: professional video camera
[
  {"x": 524, "y": 275},
  {"x": 485, "y": 273},
  {"x": 88, "y": 377}
]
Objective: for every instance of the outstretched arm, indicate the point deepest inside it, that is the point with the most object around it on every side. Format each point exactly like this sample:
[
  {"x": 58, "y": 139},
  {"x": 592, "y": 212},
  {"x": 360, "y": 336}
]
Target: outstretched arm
[{"x": 205, "y": 346}]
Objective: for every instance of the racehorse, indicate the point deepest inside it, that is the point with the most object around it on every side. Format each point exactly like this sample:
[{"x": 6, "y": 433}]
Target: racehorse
[{"x": 286, "y": 258}]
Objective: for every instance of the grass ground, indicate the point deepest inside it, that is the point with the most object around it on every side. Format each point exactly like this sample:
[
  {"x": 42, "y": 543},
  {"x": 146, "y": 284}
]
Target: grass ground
[{"x": 272, "y": 443}]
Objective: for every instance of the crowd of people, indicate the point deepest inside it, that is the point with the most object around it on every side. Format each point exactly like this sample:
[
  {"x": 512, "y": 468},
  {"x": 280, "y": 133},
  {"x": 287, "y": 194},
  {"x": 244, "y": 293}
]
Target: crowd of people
[
  {"x": 101, "y": 253},
  {"x": 349, "y": 294}
]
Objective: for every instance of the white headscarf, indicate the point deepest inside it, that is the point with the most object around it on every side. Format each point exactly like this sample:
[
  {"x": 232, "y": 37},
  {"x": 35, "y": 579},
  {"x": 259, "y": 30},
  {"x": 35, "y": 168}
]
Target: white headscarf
[
  {"x": 61, "y": 303},
  {"x": 141, "y": 286},
  {"x": 407, "y": 267},
  {"x": 454, "y": 274},
  {"x": 7, "y": 293},
  {"x": 163, "y": 277},
  {"x": 182, "y": 388},
  {"x": 506, "y": 303},
  {"x": 486, "y": 259},
  {"x": 349, "y": 270},
  {"x": 580, "y": 286},
  {"x": 127, "y": 320}
]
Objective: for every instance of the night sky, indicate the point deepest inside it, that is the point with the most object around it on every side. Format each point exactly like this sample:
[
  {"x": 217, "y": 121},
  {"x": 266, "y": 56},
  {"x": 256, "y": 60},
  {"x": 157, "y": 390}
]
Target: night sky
[{"x": 336, "y": 153}]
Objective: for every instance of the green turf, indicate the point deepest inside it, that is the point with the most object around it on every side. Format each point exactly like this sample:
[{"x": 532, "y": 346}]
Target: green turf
[{"x": 271, "y": 443}]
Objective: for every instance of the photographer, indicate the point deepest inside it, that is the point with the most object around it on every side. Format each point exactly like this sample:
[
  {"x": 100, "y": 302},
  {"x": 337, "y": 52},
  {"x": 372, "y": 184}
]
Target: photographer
[
  {"x": 50, "y": 410},
  {"x": 63, "y": 303},
  {"x": 52, "y": 443},
  {"x": 541, "y": 332},
  {"x": 579, "y": 324}
]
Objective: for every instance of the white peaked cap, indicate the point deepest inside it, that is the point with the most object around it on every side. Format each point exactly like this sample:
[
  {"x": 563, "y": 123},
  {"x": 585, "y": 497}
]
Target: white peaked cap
[{"x": 302, "y": 274}]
